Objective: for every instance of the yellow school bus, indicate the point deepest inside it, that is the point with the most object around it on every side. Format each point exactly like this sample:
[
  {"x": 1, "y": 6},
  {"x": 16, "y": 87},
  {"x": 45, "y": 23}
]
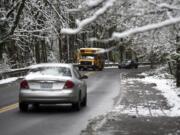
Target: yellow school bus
[{"x": 91, "y": 58}]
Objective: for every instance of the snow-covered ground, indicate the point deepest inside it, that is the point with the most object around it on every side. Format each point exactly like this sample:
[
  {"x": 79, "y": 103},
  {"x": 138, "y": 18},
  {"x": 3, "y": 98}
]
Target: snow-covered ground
[
  {"x": 167, "y": 87},
  {"x": 165, "y": 84},
  {"x": 8, "y": 80}
]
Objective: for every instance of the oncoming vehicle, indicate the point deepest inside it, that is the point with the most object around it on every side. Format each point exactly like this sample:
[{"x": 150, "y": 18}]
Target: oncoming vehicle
[
  {"x": 53, "y": 84},
  {"x": 128, "y": 64},
  {"x": 91, "y": 58}
]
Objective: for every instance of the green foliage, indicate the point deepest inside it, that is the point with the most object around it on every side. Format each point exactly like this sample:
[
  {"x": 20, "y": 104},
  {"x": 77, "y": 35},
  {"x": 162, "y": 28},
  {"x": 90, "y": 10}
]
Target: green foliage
[{"x": 175, "y": 56}]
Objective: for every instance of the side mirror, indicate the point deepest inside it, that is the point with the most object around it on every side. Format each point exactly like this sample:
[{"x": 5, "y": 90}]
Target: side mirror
[{"x": 84, "y": 77}]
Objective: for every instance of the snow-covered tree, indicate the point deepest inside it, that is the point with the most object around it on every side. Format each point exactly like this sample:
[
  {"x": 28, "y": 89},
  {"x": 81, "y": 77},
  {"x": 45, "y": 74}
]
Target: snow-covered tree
[
  {"x": 35, "y": 29},
  {"x": 147, "y": 23},
  {"x": 41, "y": 28}
]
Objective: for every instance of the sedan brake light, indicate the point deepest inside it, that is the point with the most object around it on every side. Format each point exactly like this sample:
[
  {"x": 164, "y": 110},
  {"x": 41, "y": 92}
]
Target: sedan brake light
[
  {"x": 24, "y": 84},
  {"x": 69, "y": 84}
]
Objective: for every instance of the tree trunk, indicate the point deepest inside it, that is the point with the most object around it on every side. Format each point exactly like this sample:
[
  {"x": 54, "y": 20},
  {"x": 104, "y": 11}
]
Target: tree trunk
[
  {"x": 43, "y": 52},
  {"x": 178, "y": 62},
  {"x": 178, "y": 74},
  {"x": 122, "y": 51},
  {"x": 71, "y": 49},
  {"x": 37, "y": 53},
  {"x": 60, "y": 48}
]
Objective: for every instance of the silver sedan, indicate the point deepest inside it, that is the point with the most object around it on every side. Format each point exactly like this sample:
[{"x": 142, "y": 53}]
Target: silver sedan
[{"x": 53, "y": 84}]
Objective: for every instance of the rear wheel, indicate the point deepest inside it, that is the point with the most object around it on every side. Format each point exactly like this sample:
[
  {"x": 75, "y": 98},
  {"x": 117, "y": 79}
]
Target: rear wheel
[
  {"x": 84, "y": 102},
  {"x": 77, "y": 105},
  {"x": 94, "y": 68},
  {"x": 23, "y": 107},
  {"x": 80, "y": 68},
  {"x": 36, "y": 106},
  {"x": 100, "y": 69}
]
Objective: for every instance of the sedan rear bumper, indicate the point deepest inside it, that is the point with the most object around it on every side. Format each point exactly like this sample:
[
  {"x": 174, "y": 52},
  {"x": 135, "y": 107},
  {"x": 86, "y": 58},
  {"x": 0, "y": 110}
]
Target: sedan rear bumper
[{"x": 48, "y": 97}]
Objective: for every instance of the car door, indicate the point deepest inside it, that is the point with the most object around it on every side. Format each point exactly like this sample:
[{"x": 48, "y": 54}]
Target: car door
[{"x": 82, "y": 83}]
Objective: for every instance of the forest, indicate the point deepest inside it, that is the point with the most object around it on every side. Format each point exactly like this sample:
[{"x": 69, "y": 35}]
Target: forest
[{"x": 37, "y": 31}]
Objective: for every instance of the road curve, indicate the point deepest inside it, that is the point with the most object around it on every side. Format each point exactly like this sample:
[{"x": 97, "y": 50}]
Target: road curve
[{"x": 103, "y": 87}]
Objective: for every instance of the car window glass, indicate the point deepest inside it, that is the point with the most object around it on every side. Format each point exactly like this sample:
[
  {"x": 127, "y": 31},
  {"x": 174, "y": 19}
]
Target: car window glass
[
  {"x": 76, "y": 73},
  {"x": 55, "y": 71}
]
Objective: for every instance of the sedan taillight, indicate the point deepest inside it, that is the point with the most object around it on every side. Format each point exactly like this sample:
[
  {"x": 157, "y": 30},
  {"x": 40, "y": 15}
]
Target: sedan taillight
[
  {"x": 68, "y": 85},
  {"x": 24, "y": 84}
]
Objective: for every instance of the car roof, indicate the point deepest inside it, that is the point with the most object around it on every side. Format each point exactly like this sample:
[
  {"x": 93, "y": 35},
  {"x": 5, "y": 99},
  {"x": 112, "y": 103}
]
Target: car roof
[{"x": 51, "y": 65}]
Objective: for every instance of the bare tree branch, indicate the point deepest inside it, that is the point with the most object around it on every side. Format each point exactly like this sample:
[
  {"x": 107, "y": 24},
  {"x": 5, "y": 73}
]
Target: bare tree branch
[{"x": 16, "y": 21}]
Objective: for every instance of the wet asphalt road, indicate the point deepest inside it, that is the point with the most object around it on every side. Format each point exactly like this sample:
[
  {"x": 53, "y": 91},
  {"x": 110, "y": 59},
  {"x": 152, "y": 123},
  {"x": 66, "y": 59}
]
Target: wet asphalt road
[
  {"x": 103, "y": 88},
  {"x": 142, "y": 110}
]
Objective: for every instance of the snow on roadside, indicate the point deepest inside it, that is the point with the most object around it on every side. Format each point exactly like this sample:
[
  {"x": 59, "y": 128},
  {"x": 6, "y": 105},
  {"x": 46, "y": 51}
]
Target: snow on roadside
[
  {"x": 169, "y": 91},
  {"x": 167, "y": 88},
  {"x": 111, "y": 67},
  {"x": 8, "y": 80}
]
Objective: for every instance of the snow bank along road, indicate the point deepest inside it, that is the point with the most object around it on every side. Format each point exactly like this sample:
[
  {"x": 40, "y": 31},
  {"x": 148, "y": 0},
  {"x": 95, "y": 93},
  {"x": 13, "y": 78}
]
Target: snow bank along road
[
  {"x": 103, "y": 87},
  {"x": 146, "y": 106}
]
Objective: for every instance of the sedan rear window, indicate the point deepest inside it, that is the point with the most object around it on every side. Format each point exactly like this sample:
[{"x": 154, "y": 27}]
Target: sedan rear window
[{"x": 55, "y": 71}]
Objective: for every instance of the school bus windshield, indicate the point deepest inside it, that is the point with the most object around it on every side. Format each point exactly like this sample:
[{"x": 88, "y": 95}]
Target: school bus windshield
[{"x": 87, "y": 56}]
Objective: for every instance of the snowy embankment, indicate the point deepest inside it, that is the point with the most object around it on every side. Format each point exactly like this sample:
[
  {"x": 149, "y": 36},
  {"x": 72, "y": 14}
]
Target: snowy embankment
[
  {"x": 8, "y": 80},
  {"x": 166, "y": 86},
  {"x": 168, "y": 90}
]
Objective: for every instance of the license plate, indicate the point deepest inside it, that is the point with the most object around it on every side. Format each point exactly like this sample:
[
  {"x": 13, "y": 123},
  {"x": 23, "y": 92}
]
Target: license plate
[{"x": 46, "y": 85}]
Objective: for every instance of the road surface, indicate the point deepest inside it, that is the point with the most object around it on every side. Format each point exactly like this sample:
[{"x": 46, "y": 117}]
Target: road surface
[{"x": 103, "y": 88}]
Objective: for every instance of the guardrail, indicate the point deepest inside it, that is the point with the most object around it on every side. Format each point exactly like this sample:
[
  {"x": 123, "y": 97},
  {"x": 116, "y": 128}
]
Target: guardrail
[
  {"x": 116, "y": 64},
  {"x": 14, "y": 73},
  {"x": 23, "y": 71}
]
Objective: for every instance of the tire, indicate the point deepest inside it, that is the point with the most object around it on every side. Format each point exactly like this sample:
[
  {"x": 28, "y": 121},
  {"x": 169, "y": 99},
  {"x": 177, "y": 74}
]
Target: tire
[
  {"x": 80, "y": 68},
  {"x": 77, "y": 106},
  {"x": 100, "y": 69},
  {"x": 36, "y": 106},
  {"x": 23, "y": 107},
  {"x": 84, "y": 102}
]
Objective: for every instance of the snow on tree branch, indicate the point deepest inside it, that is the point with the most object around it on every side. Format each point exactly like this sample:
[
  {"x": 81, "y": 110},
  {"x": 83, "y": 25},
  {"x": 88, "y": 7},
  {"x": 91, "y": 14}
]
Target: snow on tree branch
[
  {"x": 13, "y": 8},
  {"x": 87, "y": 5},
  {"x": 118, "y": 35},
  {"x": 93, "y": 3},
  {"x": 83, "y": 23},
  {"x": 15, "y": 22},
  {"x": 147, "y": 28},
  {"x": 164, "y": 5},
  {"x": 55, "y": 10}
]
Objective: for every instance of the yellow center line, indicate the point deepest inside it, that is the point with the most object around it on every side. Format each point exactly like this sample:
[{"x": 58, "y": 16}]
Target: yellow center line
[
  {"x": 15, "y": 105},
  {"x": 8, "y": 108}
]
